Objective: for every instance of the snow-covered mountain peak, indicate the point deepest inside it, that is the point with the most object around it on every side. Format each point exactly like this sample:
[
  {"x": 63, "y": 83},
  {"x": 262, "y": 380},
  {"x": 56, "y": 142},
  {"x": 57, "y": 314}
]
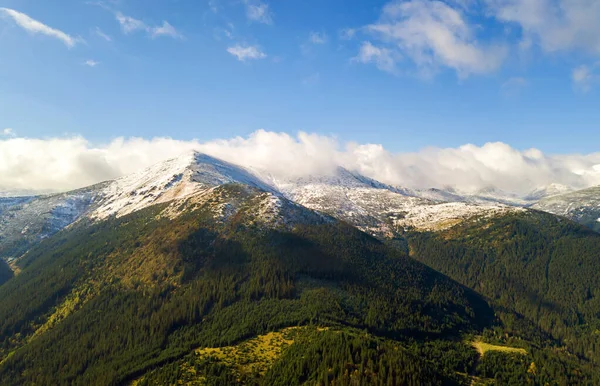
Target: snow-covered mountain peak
[
  {"x": 338, "y": 179},
  {"x": 175, "y": 178}
]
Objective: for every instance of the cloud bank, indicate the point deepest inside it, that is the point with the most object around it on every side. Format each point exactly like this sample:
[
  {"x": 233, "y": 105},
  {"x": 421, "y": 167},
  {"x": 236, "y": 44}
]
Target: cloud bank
[{"x": 58, "y": 164}]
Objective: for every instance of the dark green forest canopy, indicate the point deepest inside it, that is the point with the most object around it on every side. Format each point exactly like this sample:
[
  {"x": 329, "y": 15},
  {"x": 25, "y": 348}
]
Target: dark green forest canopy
[
  {"x": 109, "y": 302},
  {"x": 543, "y": 267},
  {"x": 139, "y": 292},
  {"x": 6, "y": 272}
]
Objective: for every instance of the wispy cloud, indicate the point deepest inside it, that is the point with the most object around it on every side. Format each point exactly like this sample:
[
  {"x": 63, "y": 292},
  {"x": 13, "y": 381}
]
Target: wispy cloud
[
  {"x": 314, "y": 39},
  {"x": 8, "y": 132},
  {"x": 243, "y": 53},
  {"x": 36, "y": 27},
  {"x": 258, "y": 11},
  {"x": 165, "y": 30},
  {"x": 91, "y": 63},
  {"x": 347, "y": 33},
  {"x": 584, "y": 77},
  {"x": 130, "y": 25},
  {"x": 228, "y": 31},
  {"x": 213, "y": 5},
  {"x": 384, "y": 58},
  {"x": 317, "y": 38},
  {"x": 101, "y": 34}
]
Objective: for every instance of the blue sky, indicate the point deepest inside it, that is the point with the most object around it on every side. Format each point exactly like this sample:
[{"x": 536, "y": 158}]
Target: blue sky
[{"x": 404, "y": 74}]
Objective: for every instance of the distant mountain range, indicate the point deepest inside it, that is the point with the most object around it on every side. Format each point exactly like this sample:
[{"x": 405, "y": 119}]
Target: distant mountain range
[
  {"x": 371, "y": 205},
  {"x": 362, "y": 201},
  {"x": 582, "y": 206}
]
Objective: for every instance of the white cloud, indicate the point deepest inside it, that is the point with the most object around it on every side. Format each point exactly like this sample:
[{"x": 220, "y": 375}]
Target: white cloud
[
  {"x": 434, "y": 34},
  {"x": 8, "y": 132},
  {"x": 475, "y": 36},
  {"x": 130, "y": 25},
  {"x": 165, "y": 30},
  {"x": 384, "y": 58},
  {"x": 35, "y": 27},
  {"x": 67, "y": 163},
  {"x": 347, "y": 33},
  {"x": 554, "y": 25},
  {"x": 584, "y": 77},
  {"x": 243, "y": 53},
  {"x": 314, "y": 39},
  {"x": 91, "y": 63},
  {"x": 101, "y": 34},
  {"x": 258, "y": 11},
  {"x": 317, "y": 38}
]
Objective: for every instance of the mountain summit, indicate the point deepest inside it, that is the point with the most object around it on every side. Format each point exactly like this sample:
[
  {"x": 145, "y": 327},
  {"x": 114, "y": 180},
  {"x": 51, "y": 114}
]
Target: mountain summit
[{"x": 169, "y": 180}]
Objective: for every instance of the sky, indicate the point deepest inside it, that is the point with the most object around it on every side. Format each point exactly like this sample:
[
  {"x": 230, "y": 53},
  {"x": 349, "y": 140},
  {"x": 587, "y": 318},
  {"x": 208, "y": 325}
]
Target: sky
[{"x": 407, "y": 76}]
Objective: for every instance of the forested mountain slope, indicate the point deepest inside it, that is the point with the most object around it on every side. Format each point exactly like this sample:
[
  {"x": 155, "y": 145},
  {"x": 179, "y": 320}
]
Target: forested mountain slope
[
  {"x": 543, "y": 267},
  {"x": 158, "y": 274},
  {"x": 6, "y": 272},
  {"x": 104, "y": 304}
]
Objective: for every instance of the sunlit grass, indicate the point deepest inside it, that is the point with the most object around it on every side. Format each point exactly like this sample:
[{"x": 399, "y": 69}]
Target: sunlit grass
[{"x": 483, "y": 347}]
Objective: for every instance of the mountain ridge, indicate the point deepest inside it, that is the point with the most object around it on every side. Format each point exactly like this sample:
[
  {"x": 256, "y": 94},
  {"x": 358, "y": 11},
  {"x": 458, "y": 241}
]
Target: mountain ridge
[
  {"x": 372, "y": 206},
  {"x": 582, "y": 206}
]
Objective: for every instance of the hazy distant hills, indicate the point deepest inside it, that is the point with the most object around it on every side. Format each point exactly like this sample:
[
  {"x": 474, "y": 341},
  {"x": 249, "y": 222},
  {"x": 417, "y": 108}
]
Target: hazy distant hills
[{"x": 582, "y": 206}]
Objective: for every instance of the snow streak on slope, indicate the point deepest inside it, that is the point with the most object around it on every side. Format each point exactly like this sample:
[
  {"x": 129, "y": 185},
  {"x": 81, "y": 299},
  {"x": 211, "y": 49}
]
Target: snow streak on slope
[
  {"x": 25, "y": 221},
  {"x": 249, "y": 206},
  {"x": 441, "y": 216}
]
